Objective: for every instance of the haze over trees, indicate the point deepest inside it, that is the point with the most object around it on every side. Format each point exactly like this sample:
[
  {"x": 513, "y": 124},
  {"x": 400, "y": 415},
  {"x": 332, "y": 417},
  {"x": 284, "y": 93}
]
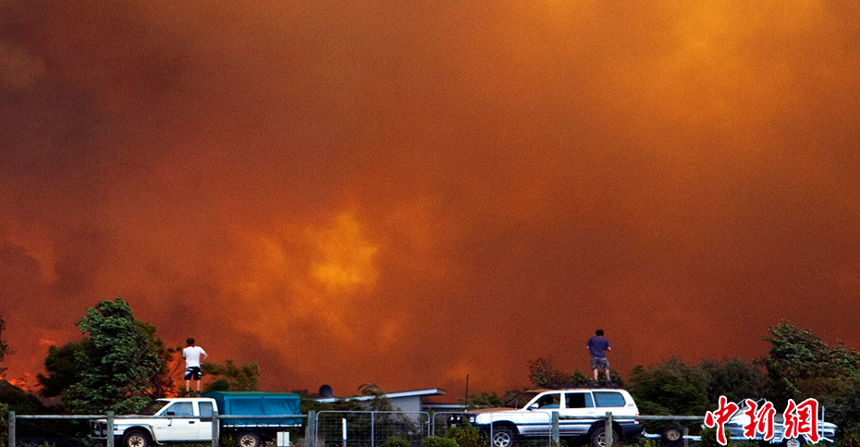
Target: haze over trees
[{"x": 121, "y": 364}]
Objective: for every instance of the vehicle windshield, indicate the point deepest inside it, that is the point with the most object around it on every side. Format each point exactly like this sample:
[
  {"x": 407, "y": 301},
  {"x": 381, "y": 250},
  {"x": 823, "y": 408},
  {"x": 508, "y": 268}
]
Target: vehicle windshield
[
  {"x": 522, "y": 399},
  {"x": 153, "y": 408}
]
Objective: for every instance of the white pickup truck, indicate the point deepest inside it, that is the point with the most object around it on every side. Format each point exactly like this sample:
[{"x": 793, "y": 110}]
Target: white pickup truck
[{"x": 190, "y": 419}]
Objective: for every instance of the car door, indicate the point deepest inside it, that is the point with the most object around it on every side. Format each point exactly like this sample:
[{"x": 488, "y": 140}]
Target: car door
[
  {"x": 538, "y": 419},
  {"x": 577, "y": 406},
  {"x": 182, "y": 424},
  {"x": 204, "y": 430}
]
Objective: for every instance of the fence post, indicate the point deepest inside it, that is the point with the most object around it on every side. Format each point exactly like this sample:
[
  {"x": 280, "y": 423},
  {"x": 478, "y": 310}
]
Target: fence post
[
  {"x": 343, "y": 433},
  {"x": 608, "y": 429},
  {"x": 216, "y": 427},
  {"x": 311, "y": 429},
  {"x": 110, "y": 441},
  {"x": 372, "y": 429},
  {"x": 555, "y": 436},
  {"x": 11, "y": 429},
  {"x": 686, "y": 436}
]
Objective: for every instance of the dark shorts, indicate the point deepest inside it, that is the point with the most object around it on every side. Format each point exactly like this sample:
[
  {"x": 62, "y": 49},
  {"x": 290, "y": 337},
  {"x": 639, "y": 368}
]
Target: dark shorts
[
  {"x": 599, "y": 361},
  {"x": 193, "y": 372}
]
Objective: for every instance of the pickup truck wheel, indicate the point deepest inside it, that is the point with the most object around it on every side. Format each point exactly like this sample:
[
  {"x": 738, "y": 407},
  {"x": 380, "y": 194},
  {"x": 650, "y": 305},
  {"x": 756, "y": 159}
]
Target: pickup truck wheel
[
  {"x": 793, "y": 442},
  {"x": 135, "y": 438},
  {"x": 503, "y": 437},
  {"x": 598, "y": 437},
  {"x": 672, "y": 436},
  {"x": 248, "y": 439}
]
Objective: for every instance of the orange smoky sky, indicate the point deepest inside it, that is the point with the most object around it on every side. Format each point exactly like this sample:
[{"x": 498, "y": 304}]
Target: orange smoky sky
[{"x": 407, "y": 192}]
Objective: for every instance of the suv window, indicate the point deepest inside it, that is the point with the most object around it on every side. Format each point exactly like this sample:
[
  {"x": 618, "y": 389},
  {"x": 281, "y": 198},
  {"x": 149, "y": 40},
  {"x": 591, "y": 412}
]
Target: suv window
[
  {"x": 609, "y": 399},
  {"x": 549, "y": 400},
  {"x": 578, "y": 400}
]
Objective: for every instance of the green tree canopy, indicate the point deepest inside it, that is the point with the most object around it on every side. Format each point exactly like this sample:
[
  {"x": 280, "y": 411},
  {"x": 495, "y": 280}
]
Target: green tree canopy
[
  {"x": 798, "y": 356},
  {"x": 544, "y": 375},
  {"x": 116, "y": 366},
  {"x": 800, "y": 365},
  {"x": 4, "y": 348},
  {"x": 230, "y": 377},
  {"x": 733, "y": 378},
  {"x": 670, "y": 388}
]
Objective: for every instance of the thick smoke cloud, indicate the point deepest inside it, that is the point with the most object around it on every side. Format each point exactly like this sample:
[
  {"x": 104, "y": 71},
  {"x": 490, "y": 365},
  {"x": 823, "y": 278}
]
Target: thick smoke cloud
[{"x": 409, "y": 192}]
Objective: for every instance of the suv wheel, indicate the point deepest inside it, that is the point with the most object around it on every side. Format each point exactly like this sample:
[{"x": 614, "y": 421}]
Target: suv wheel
[
  {"x": 503, "y": 437},
  {"x": 598, "y": 437}
]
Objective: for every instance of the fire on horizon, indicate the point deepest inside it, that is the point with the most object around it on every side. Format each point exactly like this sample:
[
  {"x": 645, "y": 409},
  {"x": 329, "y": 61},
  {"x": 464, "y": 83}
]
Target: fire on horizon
[{"x": 406, "y": 193}]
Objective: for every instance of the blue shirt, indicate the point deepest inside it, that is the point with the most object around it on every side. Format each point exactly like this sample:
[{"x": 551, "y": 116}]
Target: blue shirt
[{"x": 597, "y": 346}]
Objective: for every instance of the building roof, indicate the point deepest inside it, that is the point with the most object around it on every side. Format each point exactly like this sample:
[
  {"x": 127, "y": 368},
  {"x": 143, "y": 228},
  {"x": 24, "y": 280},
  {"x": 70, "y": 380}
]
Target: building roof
[{"x": 394, "y": 395}]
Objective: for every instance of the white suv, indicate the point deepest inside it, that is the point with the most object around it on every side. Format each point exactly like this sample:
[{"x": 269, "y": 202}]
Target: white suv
[{"x": 581, "y": 414}]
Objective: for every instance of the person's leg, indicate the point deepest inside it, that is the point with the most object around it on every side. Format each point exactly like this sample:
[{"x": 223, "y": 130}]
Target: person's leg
[{"x": 607, "y": 375}]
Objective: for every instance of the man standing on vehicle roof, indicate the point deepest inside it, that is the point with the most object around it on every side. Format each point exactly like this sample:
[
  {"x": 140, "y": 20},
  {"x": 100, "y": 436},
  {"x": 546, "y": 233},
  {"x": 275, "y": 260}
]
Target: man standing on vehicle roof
[
  {"x": 597, "y": 347},
  {"x": 194, "y": 356}
]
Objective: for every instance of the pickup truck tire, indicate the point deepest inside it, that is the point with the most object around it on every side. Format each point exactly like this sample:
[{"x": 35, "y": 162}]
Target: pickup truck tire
[
  {"x": 246, "y": 439},
  {"x": 598, "y": 437},
  {"x": 135, "y": 438},
  {"x": 794, "y": 442},
  {"x": 503, "y": 436},
  {"x": 672, "y": 436}
]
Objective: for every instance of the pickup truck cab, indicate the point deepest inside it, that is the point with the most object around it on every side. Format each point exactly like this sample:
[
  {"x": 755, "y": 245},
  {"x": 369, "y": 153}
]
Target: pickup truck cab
[
  {"x": 170, "y": 420},
  {"x": 190, "y": 419},
  {"x": 581, "y": 412}
]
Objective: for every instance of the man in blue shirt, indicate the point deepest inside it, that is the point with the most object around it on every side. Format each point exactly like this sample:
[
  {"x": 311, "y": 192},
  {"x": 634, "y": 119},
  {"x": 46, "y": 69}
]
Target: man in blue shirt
[{"x": 597, "y": 347}]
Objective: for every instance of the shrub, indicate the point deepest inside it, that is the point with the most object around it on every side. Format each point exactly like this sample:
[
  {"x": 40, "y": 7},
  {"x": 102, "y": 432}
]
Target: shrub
[
  {"x": 709, "y": 438},
  {"x": 4, "y": 422},
  {"x": 435, "y": 441},
  {"x": 395, "y": 442},
  {"x": 469, "y": 436}
]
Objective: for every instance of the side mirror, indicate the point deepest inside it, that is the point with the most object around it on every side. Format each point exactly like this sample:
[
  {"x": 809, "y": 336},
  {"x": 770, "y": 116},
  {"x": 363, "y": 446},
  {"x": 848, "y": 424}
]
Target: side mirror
[{"x": 171, "y": 413}]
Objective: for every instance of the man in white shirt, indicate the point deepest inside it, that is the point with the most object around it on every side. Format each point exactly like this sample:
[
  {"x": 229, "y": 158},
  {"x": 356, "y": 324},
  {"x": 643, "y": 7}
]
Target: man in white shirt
[{"x": 194, "y": 356}]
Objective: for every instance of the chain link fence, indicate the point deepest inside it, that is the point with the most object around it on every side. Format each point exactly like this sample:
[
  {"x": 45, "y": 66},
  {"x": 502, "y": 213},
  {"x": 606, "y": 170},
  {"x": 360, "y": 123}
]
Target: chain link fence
[
  {"x": 343, "y": 429},
  {"x": 370, "y": 428},
  {"x": 538, "y": 430}
]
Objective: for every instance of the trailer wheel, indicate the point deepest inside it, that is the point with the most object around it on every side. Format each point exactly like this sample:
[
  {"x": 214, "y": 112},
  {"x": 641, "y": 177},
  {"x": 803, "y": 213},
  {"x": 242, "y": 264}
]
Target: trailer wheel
[
  {"x": 248, "y": 439},
  {"x": 135, "y": 438},
  {"x": 672, "y": 436}
]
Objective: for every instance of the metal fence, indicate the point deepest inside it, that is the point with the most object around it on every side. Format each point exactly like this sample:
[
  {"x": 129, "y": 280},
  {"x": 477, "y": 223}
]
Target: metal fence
[
  {"x": 370, "y": 428},
  {"x": 326, "y": 428},
  {"x": 76, "y": 433},
  {"x": 444, "y": 421}
]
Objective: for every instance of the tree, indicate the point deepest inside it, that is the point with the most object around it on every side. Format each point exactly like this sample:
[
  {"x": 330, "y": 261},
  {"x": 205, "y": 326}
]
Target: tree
[
  {"x": 4, "y": 348},
  {"x": 733, "y": 378},
  {"x": 801, "y": 365},
  {"x": 380, "y": 402},
  {"x": 794, "y": 355},
  {"x": 229, "y": 377},
  {"x": 61, "y": 367},
  {"x": 544, "y": 375},
  {"x": 670, "y": 388},
  {"x": 116, "y": 366}
]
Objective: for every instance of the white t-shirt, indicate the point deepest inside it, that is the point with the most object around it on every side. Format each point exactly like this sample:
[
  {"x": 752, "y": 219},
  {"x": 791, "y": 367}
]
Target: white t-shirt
[{"x": 192, "y": 355}]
